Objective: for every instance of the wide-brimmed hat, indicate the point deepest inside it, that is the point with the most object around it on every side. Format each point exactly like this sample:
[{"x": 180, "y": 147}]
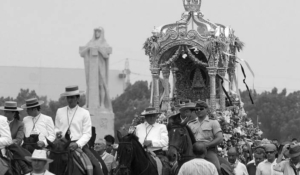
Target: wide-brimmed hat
[
  {"x": 32, "y": 102},
  {"x": 10, "y": 106},
  {"x": 149, "y": 111},
  {"x": 72, "y": 91},
  {"x": 38, "y": 155},
  {"x": 294, "y": 151},
  {"x": 187, "y": 105}
]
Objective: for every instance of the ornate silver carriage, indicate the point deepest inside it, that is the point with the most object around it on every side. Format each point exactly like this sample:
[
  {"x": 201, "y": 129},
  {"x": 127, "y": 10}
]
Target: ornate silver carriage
[{"x": 200, "y": 54}]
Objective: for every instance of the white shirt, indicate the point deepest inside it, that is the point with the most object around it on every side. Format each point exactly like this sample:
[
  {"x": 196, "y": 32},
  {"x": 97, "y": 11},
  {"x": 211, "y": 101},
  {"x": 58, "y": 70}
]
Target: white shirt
[
  {"x": 240, "y": 169},
  {"x": 46, "y": 173},
  {"x": 42, "y": 124},
  {"x": 267, "y": 168},
  {"x": 5, "y": 135},
  {"x": 198, "y": 166},
  {"x": 80, "y": 124},
  {"x": 157, "y": 133}
]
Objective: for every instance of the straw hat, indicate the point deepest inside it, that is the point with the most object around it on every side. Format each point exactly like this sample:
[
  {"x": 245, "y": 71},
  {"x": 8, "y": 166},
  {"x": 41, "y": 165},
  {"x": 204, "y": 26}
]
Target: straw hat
[
  {"x": 71, "y": 91},
  {"x": 187, "y": 105},
  {"x": 38, "y": 155},
  {"x": 10, "y": 106},
  {"x": 149, "y": 111},
  {"x": 33, "y": 102}
]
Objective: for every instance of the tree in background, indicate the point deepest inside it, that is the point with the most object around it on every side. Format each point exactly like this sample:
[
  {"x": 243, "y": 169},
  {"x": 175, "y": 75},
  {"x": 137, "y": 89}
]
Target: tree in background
[{"x": 131, "y": 103}]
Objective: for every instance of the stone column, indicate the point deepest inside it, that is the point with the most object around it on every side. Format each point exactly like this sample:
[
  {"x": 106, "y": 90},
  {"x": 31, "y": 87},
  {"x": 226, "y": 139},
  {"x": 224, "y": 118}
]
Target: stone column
[
  {"x": 155, "y": 85},
  {"x": 222, "y": 72},
  {"x": 174, "y": 70},
  {"x": 212, "y": 71},
  {"x": 230, "y": 76},
  {"x": 166, "y": 98}
]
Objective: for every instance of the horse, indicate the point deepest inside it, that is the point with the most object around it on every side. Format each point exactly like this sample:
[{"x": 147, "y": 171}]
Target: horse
[
  {"x": 64, "y": 160},
  {"x": 132, "y": 158},
  {"x": 181, "y": 140},
  {"x": 30, "y": 143}
]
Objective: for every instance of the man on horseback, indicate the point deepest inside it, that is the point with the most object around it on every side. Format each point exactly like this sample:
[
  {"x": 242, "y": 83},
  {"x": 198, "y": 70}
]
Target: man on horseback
[
  {"x": 5, "y": 140},
  {"x": 206, "y": 130},
  {"x": 153, "y": 136},
  {"x": 75, "y": 122},
  {"x": 37, "y": 123}
]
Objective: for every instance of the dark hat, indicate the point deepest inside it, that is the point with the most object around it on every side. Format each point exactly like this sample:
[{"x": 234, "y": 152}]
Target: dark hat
[
  {"x": 33, "y": 102},
  {"x": 10, "y": 106},
  {"x": 294, "y": 151},
  {"x": 201, "y": 103},
  {"x": 187, "y": 105},
  {"x": 149, "y": 111}
]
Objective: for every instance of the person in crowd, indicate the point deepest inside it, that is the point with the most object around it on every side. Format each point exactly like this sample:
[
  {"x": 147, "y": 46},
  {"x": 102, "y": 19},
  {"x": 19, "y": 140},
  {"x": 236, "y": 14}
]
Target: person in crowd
[
  {"x": 266, "y": 166},
  {"x": 39, "y": 162},
  {"x": 246, "y": 154},
  {"x": 73, "y": 121},
  {"x": 237, "y": 166},
  {"x": 108, "y": 159},
  {"x": 207, "y": 130},
  {"x": 5, "y": 140},
  {"x": 37, "y": 123},
  {"x": 11, "y": 112},
  {"x": 294, "y": 140},
  {"x": 187, "y": 111},
  {"x": 259, "y": 156},
  {"x": 276, "y": 142},
  {"x": 109, "y": 141},
  {"x": 291, "y": 165},
  {"x": 153, "y": 136},
  {"x": 198, "y": 165}
]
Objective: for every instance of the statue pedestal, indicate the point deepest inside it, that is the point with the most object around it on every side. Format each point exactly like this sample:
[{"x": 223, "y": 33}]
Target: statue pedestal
[{"x": 103, "y": 121}]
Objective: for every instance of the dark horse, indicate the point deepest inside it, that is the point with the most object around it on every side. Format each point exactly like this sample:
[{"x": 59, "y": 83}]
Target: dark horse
[
  {"x": 64, "y": 160},
  {"x": 132, "y": 158},
  {"x": 30, "y": 143},
  {"x": 181, "y": 140}
]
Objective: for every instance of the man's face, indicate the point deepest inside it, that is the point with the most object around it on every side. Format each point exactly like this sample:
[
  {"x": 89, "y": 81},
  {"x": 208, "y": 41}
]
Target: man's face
[
  {"x": 201, "y": 112},
  {"x": 271, "y": 155},
  {"x": 38, "y": 165},
  {"x": 9, "y": 113},
  {"x": 275, "y": 142},
  {"x": 151, "y": 119},
  {"x": 99, "y": 147},
  {"x": 295, "y": 160},
  {"x": 32, "y": 111},
  {"x": 185, "y": 113},
  {"x": 109, "y": 146},
  {"x": 232, "y": 157},
  {"x": 72, "y": 101},
  {"x": 258, "y": 158}
]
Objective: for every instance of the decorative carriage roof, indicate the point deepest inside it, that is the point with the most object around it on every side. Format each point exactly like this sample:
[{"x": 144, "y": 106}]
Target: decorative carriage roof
[{"x": 192, "y": 30}]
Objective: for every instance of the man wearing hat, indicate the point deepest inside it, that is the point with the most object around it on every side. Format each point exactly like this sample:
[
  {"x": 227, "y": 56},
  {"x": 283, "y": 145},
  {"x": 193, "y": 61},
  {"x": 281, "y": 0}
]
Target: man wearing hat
[
  {"x": 37, "y": 123},
  {"x": 39, "y": 162},
  {"x": 75, "y": 122},
  {"x": 152, "y": 135},
  {"x": 266, "y": 167},
  {"x": 5, "y": 140},
  {"x": 207, "y": 130},
  {"x": 187, "y": 112},
  {"x": 289, "y": 166}
]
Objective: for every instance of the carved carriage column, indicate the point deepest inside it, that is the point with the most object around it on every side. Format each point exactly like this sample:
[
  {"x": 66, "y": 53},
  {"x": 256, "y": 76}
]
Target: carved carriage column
[
  {"x": 231, "y": 71},
  {"x": 166, "y": 99},
  {"x": 212, "y": 71},
  {"x": 155, "y": 85},
  {"x": 174, "y": 70},
  {"x": 222, "y": 73}
]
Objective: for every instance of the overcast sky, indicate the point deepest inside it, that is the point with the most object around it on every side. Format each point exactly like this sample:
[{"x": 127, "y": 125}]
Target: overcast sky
[{"x": 47, "y": 33}]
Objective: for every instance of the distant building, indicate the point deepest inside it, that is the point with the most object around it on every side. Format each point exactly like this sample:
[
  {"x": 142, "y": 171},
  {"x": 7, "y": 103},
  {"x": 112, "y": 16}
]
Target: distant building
[{"x": 51, "y": 82}]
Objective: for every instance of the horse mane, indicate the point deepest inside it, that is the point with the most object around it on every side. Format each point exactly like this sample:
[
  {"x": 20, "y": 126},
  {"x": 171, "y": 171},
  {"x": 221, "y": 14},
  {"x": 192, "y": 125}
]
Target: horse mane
[
  {"x": 136, "y": 139},
  {"x": 191, "y": 134}
]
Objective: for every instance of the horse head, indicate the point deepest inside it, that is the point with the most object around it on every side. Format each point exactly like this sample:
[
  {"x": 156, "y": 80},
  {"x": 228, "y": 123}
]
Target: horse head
[{"x": 59, "y": 153}]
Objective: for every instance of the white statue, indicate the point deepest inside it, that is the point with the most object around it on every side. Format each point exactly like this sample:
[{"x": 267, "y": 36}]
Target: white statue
[{"x": 100, "y": 48}]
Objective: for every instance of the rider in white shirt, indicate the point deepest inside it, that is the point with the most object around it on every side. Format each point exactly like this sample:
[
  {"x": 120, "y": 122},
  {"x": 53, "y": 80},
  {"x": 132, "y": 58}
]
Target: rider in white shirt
[
  {"x": 37, "y": 123},
  {"x": 5, "y": 136},
  {"x": 152, "y": 135}
]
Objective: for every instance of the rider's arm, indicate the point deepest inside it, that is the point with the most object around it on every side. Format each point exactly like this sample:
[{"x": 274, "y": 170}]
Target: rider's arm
[
  {"x": 164, "y": 139},
  {"x": 217, "y": 132},
  {"x": 50, "y": 130},
  {"x": 20, "y": 134},
  {"x": 86, "y": 130},
  {"x": 5, "y": 136}
]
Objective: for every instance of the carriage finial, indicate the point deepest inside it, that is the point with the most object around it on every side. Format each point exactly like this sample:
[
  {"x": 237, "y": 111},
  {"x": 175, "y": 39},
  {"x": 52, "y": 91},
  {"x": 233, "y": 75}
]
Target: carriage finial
[{"x": 192, "y": 5}]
